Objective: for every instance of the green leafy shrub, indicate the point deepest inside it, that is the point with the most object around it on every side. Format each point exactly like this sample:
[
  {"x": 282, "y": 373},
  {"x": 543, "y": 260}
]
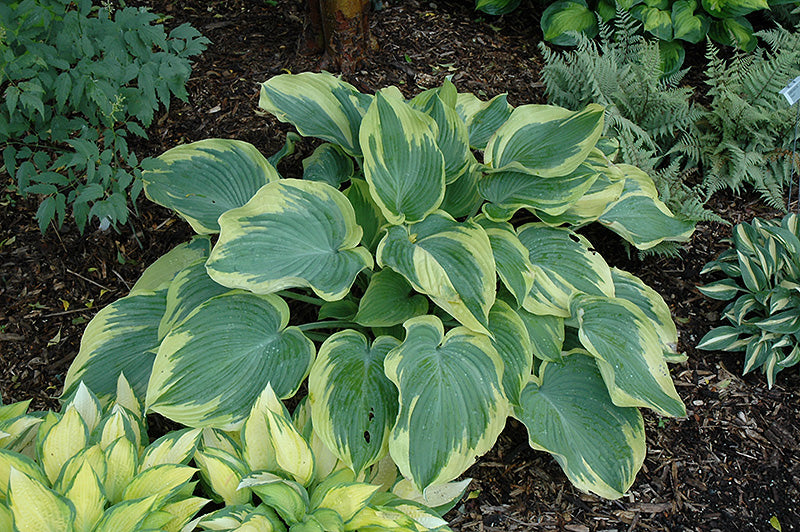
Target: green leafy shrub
[
  {"x": 389, "y": 251},
  {"x": 762, "y": 283},
  {"x": 645, "y": 110},
  {"x": 77, "y": 82}
]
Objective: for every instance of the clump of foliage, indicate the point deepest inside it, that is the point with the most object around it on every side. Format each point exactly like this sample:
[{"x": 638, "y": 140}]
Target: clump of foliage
[
  {"x": 746, "y": 134},
  {"x": 77, "y": 82},
  {"x": 762, "y": 284},
  {"x": 448, "y": 293},
  {"x": 647, "y": 111}
]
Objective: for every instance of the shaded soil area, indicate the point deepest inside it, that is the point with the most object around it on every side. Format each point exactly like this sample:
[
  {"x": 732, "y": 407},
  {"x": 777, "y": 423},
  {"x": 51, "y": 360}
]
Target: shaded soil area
[{"x": 732, "y": 464}]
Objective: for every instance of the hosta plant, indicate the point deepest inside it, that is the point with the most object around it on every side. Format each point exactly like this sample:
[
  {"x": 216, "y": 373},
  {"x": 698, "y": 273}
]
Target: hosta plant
[
  {"x": 90, "y": 469},
  {"x": 762, "y": 285},
  {"x": 424, "y": 296}
]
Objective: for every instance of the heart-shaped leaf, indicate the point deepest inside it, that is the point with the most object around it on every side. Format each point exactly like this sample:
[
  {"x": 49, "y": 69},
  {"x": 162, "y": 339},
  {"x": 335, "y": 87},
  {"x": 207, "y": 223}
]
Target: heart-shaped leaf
[{"x": 389, "y": 300}]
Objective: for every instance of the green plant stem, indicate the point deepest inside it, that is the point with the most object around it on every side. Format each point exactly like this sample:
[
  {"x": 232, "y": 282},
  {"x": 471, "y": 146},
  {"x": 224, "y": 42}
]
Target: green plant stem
[{"x": 300, "y": 297}]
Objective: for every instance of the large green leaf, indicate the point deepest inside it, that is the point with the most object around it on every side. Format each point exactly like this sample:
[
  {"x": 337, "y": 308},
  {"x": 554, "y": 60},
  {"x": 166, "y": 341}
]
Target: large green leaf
[
  {"x": 318, "y": 105},
  {"x": 329, "y": 164},
  {"x": 389, "y": 300},
  {"x": 452, "y": 406},
  {"x": 204, "y": 179},
  {"x": 562, "y": 17},
  {"x": 212, "y": 366},
  {"x": 640, "y": 217},
  {"x": 191, "y": 287},
  {"x": 568, "y": 413},
  {"x": 546, "y": 334},
  {"x": 482, "y": 118},
  {"x": 606, "y": 189},
  {"x": 545, "y": 140},
  {"x": 160, "y": 274},
  {"x": 452, "y": 135},
  {"x": 687, "y": 24},
  {"x": 510, "y": 339},
  {"x": 510, "y": 257},
  {"x": 451, "y": 262},
  {"x": 121, "y": 338},
  {"x": 293, "y": 233},
  {"x": 496, "y": 7},
  {"x": 461, "y": 197},
  {"x": 628, "y": 352},
  {"x": 733, "y": 8},
  {"x": 564, "y": 264},
  {"x": 353, "y": 404},
  {"x": 368, "y": 215},
  {"x": 402, "y": 162}
]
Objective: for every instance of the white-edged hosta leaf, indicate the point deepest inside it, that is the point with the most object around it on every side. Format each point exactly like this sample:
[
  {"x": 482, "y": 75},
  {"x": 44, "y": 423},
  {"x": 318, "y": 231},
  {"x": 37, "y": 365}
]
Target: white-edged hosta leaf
[
  {"x": 66, "y": 438},
  {"x": 461, "y": 197},
  {"x": 353, "y": 404},
  {"x": 452, "y": 136},
  {"x": 126, "y": 397},
  {"x": 451, "y": 262},
  {"x": 329, "y": 164},
  {"x": 159, "y": 275},
  {"x": 368, "y": 215},
  {"x": 197, "y": 375},
  {"x": 452, "y": 406},
  {"x": 175, "y": 447},
  {"x": 564, "y": 264},
  {"x": 204, "y": 179},
  {"x": 640, "y": 217},
  {"x": 121, "y": 338},
  {"x": 545, "y": 140},
  {"x": 122, "y": 462},
  {"x": 191, "y": 287},
  {"x": 723, "y": 290},
  {"x": 10, "y": 460},
  {"x": 510, "y": 190},
  {"x": 86, "y": 495},
  {"x": 389, "y": 300},
  {"x": 292, "y": 233},
  {"x": 510, "y": 257},
  {"x": 447, "y": 93},
  {"x": 628, "y": 286},
  {"x": 605, "y": 190},
  {"x": 786, "y": 322},
  {"x": 568, "y": 413},
  {"x": 318, "y": 105},
  {"x": 482, "y": 118},
  {"x": 37, "y": 508},
  {"x": 546, "y": 333},
  {"x": 510, "y": 339},
  {"x": 402, "y": 162},
  {"x": 222, "y": 473},
  {"x": 628, "y": 352}
]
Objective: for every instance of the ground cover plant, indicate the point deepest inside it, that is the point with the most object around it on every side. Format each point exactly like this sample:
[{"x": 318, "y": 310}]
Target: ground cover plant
[
  {"x": 738, "y": 439},
  {"x": 78, "y": 81}
]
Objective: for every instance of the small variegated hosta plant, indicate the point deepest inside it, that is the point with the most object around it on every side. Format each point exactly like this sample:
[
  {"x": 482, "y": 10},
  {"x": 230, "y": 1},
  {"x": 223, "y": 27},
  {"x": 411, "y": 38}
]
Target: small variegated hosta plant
[
  {"x": 280, "y": 461},
  {"x": 89, "y": 469},
  {"x": 432, "y": 295},
  {"x": 762, "y": 284}
]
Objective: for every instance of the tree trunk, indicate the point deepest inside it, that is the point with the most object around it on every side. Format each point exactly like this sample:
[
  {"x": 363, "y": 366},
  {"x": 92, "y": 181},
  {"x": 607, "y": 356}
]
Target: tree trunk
[{"x": 341, "y": 29}]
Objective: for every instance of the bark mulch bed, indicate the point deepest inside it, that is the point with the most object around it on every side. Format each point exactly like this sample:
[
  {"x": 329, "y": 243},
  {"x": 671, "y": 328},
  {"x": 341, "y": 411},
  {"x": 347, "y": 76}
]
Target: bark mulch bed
[{"x": 732, "y": 464}]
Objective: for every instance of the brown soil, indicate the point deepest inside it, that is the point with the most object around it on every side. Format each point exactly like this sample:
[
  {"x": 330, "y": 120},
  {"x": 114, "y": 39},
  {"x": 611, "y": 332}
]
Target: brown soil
[{"x": 732, "y": 464}]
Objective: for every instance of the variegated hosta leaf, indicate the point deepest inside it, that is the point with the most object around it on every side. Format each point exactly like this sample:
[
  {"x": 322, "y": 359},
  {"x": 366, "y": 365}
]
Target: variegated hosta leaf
[
  {"x": 545, "y": 140},
  {"x": 222, "y": 472},
  {"x": 353, "y": 404},
  {"x": 203, "y": 179},
  {"x": 605, "y": 190},
  {"x": 86, "y": 495},
  {"x": 509, "y": 190},
  {"x": 510, "y": 258},
  {"x": 724, "y": 338},
  {"x": 198, "y": 375},
  {"x": 640, "y": 217},
  {"x": 461, "y": 197},
  {"x": 9, "y": 461},
  {"x": 286, "y": 497},
  {"x": 439, "y": 497},
  {"x": 628, "y": 352},
  {"x": 724, "y": 289},
  {"x": 628, "y": 286},
  {"x": 122, "y": 461},
  {"x": 329, "y": 164},
  {"x": 447, "y": 93},
  {"x": 293, "y": 233},
  {"x": 449, "y": 261},
  {"x": 568, "y": 413},
  {"x": 510, "y": 339},
  {"x": 564, "y": 264},
  {"x": 496, "y": 7},
  {"x": 368, "y": 215},
  {"x": 452, "y": 406},
  {"x": 175, "y": 447},
  {"x": 37, "y": 508},
  {"x": 403, "y": 165},
  {"x": 546, "y": 333},
  {"x": 389, "y": 300},
  {"x": 121, "y": 338},
  {"x": 452, "y": 137},
  {"x": 482, "y": 118},
  {"x": 318, "y": 105},
  {"x": 160, "y": 274},
  {"x": 191, "y": 287}
]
